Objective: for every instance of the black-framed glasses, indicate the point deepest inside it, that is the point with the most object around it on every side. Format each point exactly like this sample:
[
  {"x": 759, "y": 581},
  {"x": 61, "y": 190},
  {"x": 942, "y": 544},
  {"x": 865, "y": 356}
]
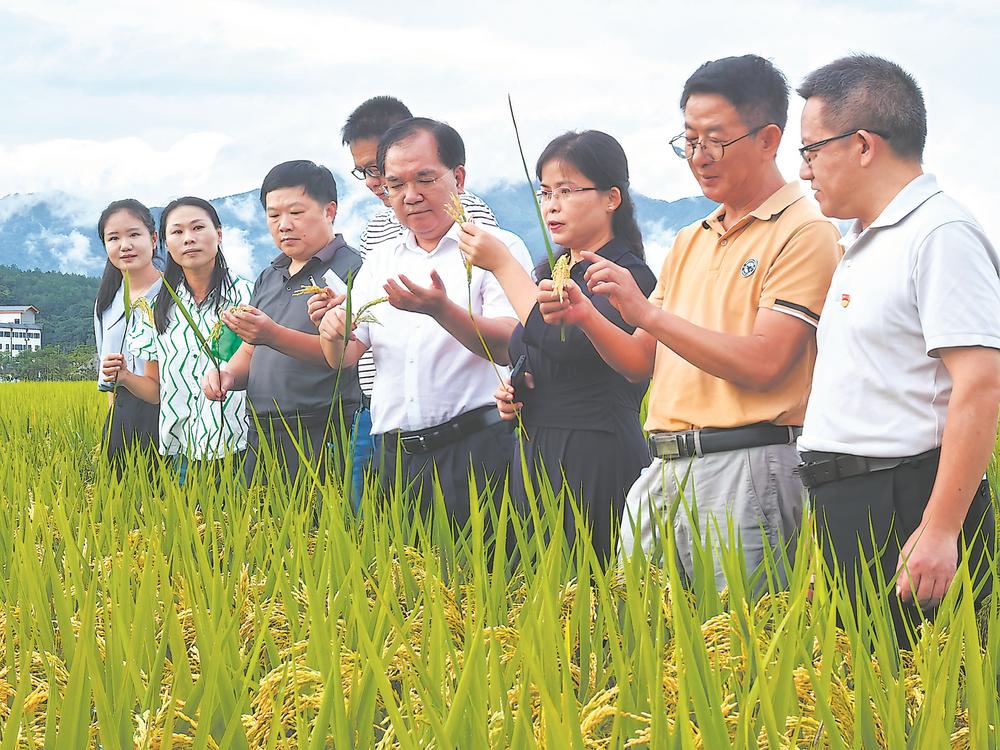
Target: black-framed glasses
[
  {"x": 809, "y": 148},
  {"x": 370, "y": 171},
  {"x": 713, "y": 150},
  {"x": 560, "y": 193}
]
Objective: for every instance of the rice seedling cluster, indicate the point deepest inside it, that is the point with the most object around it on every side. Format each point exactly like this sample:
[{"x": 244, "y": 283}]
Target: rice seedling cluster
[{"x": 138, "y": 614}]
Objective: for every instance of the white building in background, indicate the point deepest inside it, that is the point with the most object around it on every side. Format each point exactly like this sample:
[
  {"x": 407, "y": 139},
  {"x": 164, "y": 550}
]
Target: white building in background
[{"x": 18, "y": 329}]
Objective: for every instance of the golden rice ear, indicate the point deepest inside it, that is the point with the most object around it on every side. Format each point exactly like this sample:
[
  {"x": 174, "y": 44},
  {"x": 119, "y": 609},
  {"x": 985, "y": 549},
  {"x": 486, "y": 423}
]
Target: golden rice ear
[{"x": 560, "y": 275}]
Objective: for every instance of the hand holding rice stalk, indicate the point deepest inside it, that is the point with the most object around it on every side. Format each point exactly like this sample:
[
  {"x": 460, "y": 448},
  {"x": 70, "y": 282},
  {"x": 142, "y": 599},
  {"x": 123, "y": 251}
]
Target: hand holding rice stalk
[
  {"x": 560, "y": 286},
  {"x": 456, "y": 211},
  {"x": 206, "y": 345}
]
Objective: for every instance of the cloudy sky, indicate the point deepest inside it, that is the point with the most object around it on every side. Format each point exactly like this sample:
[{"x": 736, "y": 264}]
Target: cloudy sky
[{"x": 154, "y": 100}]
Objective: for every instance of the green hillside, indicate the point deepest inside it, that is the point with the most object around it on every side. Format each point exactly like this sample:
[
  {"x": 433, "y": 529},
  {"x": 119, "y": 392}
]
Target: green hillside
[{"x": 65, "y": 302}]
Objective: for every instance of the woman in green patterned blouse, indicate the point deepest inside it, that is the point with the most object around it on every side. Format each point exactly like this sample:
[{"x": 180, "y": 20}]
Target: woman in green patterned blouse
[{"x": 192, "y": 428}]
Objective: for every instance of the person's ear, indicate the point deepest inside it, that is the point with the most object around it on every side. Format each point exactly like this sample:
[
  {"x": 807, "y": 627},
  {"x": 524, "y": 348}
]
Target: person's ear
[
  {"x": 769, "y": 138},
  {"x": 870, "y": 146},
  {"x": 460, "y": 178},
  {"x": 614, "y": 198},
  {"x": 330, "y": 211}
]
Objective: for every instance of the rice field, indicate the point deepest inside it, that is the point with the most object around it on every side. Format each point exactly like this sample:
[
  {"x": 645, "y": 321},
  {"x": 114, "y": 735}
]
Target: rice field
[{"x": 137, "y": 614}]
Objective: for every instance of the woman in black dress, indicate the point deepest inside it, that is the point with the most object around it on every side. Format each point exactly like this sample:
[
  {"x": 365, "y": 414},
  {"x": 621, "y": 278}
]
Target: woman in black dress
[
  {"x": 128, "y": 234},
  {"x": 582, "y": 418}
]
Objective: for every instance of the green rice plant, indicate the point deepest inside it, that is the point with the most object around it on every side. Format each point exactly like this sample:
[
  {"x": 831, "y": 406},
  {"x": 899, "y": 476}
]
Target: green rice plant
[{"x": 136, "y": 613}]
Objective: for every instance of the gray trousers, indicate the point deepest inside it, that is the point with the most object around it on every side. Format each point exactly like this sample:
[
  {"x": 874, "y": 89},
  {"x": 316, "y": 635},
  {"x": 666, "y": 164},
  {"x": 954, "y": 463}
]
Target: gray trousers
[{"x": 754, "y": 489}]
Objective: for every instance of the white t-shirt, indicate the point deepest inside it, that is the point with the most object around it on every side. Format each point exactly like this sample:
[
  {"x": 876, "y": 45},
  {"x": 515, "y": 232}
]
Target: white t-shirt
[
  {"x": 424, "y": 376},
  {"x": 922, "y": 277}
]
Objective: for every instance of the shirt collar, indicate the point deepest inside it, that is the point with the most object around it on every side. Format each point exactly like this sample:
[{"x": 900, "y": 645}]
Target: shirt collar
[
  {"x": 777, "y": 202},
  {"x": 282, "y": 261},
  {"x": 907, "y": 200},
  {"x": 450, "y": 238},
  {"x": 913, "y": 195}
]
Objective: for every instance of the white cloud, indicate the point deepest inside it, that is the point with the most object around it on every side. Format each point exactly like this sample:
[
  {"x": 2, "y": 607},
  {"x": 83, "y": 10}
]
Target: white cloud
[
  {"x": 221, "y": 91},
  {"x": 238, "y": 251},
  {"x": 72, "y": 250}
]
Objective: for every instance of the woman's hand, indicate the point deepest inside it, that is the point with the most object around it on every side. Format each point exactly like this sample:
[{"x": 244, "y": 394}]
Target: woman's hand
[
  {"x": 574, "y": 308},
  {"x": 506, "y": 405},
  {"x": 505, "y": 395},
  {"x": 113, "y": 368},
  {"x": 482, "y": 248}
]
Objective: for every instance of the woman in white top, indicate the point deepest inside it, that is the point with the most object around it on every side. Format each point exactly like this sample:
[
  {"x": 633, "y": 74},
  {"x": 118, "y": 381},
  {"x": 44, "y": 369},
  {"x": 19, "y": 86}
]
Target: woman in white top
[
  {"x": 128, "y": 233},
  {"x": 192, "y": 428}
]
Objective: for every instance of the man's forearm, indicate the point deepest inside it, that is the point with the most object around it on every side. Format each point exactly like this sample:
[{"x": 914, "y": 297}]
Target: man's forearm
[
  {"x": 298, "y": 345},
  {"x": 496, "y": 332},
  {"x": 966, "y": 447},
  {"x": 749, "y": 362}
]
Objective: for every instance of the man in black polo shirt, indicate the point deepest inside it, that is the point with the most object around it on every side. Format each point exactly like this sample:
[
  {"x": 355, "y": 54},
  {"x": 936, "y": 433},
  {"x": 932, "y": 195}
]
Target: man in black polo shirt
[{"x": 280, "y": 363}]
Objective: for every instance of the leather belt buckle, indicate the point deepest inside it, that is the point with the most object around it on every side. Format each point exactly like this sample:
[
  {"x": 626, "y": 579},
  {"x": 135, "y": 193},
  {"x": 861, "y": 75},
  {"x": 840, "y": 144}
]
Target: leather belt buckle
[
  {"x": 413, "y": 444},
  {"x": 668, "y": 445}
]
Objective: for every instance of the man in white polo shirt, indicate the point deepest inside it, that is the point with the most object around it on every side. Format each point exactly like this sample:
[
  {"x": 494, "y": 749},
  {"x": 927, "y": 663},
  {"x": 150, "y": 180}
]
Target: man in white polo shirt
[
  {"x": 432, "y": 403},
  {"x": 902, "y": 418}
]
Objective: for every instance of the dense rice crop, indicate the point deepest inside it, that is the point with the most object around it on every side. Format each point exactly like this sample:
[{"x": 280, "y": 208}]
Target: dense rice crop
[{"x": 138, "y": 614}]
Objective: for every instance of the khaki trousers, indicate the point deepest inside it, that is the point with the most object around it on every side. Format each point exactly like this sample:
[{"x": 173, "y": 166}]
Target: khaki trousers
[{"x": 754, "y": 489}]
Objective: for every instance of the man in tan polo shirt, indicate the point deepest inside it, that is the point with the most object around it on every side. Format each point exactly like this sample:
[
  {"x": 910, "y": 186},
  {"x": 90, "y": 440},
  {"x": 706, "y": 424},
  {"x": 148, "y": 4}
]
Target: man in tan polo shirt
[{"x": 729, "y": 332}]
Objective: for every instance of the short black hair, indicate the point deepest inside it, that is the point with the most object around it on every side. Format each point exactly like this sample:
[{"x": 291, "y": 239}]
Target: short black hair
[
  {"x": 753, "y": 85},
  {"x": 871, "y": 93},
  {"x": 450, "y": 146},
  {"x": 315, "y": 179},
  {"x": 373, "y": 118}
]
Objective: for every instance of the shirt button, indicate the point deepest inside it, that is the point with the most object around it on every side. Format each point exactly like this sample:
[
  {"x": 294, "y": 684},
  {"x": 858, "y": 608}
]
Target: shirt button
[{"x": 724, "y": 242}]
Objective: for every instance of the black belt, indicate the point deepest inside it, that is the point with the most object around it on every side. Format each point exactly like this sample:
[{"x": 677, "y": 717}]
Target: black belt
[
  {"x": 819, "y": 468},
  {"x": 432, "y": 438},
  {"x": 718, "y": 440}
]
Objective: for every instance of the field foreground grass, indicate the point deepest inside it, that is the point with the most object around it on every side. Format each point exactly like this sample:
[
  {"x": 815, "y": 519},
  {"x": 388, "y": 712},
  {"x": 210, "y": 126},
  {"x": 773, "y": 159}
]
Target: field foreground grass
[{"x": 137, "y": 614}]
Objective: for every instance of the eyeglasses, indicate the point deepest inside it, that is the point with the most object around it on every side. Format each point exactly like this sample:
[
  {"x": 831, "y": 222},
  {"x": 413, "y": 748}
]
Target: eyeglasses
[
  {"x": 370, "y": 171},
  {"x": 713, "y": 150},
  {"x": 809, "y": 148},
  {"x": 396, "y": 188},
  {"x": 560, "y": 193}
]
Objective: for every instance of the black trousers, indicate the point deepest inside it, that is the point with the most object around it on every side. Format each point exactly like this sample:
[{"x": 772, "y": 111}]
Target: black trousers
[
  {"x": 135, "y": 423},
  {"x": 869, "y": 518},
  {"x": 317, "y": 435},
  {"x": 486, "y": 452}
]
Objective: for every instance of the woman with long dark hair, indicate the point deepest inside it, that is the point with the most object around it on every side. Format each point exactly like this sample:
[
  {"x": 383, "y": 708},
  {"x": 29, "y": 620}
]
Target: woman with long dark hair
[
  {"x": 128, "y": 233},
  {"x": 192, "y": 428},
  {"x": 581, "y": 417}
]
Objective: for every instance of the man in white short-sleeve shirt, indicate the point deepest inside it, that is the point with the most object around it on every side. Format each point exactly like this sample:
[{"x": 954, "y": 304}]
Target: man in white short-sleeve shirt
[
  {"x": 432, "y": 403},
  {"x": 361, "y": 133},
  {"x": 902, "y": 417}
]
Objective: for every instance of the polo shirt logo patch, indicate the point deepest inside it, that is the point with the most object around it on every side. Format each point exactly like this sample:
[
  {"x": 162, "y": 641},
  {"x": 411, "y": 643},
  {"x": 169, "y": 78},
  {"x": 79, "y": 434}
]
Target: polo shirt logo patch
[{"x": 748, "y": 268}]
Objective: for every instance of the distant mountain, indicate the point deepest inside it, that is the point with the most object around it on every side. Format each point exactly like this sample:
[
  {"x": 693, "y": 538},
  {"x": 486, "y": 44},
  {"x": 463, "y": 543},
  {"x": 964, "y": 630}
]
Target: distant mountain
[{"x": 57, "y": 232}]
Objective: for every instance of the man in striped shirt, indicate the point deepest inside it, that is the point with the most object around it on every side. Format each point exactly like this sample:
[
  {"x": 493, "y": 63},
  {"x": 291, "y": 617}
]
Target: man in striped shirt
[{"x": 361, "y": 133}]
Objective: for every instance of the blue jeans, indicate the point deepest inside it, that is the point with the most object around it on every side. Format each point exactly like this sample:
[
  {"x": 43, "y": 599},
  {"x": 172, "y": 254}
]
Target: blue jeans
[{"x": 363, "y": 451}]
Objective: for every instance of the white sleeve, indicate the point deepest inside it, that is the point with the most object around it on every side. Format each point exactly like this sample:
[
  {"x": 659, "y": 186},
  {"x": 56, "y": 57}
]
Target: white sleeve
[
  {"x": 495, "y": 302},
  {"x": 957, "y": 278}
]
